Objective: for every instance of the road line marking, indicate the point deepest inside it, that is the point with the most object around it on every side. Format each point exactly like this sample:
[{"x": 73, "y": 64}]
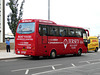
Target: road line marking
[
  {"x": 35, "y": 67},
  {"x": 63, "y": 69},
  {"x": 53, "y": 67},
  {"x": 10, "y": 60},
  {"x": 88, "y": 62},
  {"x": 27, "y": 71},
  {"x": 51, "y": 71},
  {"x": 73, "y": 65}
]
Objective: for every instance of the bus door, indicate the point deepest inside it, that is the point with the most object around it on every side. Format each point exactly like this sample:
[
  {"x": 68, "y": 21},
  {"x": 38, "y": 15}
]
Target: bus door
[
  {"x": 44, "y": 39},
  {"x": 85, "y": 38}
]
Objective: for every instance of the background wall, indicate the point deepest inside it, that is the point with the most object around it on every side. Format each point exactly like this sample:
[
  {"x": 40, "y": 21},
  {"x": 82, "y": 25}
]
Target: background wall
[{"x": 3, "y": 46}]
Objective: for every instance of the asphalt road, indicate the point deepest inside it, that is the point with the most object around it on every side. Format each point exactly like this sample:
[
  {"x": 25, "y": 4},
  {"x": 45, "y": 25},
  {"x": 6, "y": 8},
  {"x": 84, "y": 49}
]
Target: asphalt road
[{"x": 87, "y": 64}]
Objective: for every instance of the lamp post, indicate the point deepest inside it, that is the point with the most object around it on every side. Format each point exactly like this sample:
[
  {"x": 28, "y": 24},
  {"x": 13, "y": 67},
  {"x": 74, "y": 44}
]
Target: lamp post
[{"x": 48, "y": 9}]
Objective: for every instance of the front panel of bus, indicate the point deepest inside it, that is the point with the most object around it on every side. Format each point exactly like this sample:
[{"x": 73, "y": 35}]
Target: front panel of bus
[{"x": 25, "y": 38}]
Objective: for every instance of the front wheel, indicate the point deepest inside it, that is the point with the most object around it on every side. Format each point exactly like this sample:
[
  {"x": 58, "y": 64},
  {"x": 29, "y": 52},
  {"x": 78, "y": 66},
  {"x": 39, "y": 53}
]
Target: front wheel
[
  {"x": 79, "y": 52},
  {"x": 52, "y": 54}
]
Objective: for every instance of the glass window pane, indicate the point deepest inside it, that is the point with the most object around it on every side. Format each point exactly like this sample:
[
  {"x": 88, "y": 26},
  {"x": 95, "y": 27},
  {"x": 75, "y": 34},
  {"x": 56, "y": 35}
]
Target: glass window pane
[
  {"x": 53, "y": 31},
  {"x": 78, "y": 33},
  {"x": 71, "y": 32},
  {"x": 44, "y": 30},
  {"x": 26, "y": 28}
]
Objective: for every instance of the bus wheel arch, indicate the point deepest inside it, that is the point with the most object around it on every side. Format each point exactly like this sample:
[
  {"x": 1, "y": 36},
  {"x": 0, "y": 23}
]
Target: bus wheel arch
[
  {"x": 53, "y": 54},
  {"x": 79, "y": 52}
]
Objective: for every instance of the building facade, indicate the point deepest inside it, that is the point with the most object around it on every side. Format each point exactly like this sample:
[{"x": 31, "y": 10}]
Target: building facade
[{"x": 2, "y": 21}]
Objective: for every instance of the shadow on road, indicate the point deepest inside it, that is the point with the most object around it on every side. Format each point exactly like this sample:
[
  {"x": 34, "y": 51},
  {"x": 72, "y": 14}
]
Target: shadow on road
[{"x": 57, "y": 57}]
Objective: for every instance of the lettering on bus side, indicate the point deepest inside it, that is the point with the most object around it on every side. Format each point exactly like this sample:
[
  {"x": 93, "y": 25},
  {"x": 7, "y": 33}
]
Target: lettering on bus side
[
  {"x": 72, "y": 42},
  {"x": 27, "y": 20},
  {"x": 23, "y": 37}
]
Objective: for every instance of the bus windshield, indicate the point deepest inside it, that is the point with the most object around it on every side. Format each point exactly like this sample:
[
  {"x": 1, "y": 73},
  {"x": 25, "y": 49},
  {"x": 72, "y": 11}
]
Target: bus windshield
[{"x": 26, "y": 28}]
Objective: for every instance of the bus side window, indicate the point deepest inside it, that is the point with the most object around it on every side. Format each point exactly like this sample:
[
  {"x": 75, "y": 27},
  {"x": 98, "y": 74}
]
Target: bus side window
[
  {"x": 40, "y": 30},
  {"x": 84, "y": 35},
  {"x": 44, "y": 30},
  {"x": 71, "y": 32},
  {"x": 53, "y": 31},
  {"x": 78, "y": 33},
  {"x": 65, "y": 31},
  {"x": 61, "y": 30}
]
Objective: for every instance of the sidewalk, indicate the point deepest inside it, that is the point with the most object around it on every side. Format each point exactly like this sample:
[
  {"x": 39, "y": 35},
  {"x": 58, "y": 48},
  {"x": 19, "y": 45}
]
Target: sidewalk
[{"x": 11, "y": 55}]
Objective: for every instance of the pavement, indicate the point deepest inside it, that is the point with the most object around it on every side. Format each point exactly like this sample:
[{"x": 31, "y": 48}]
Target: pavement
[{"x": 10, "y": 55}]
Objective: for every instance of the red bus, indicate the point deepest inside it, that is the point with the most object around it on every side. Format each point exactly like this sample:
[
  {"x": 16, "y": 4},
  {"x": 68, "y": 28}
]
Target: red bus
[{"x": 36, "y": 37}]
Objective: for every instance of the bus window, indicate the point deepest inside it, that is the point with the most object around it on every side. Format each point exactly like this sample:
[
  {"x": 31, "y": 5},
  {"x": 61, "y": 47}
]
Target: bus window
[
  {"x": 43, "y": 30},
  {"x": 53, "y": 31},
  {"x": 40, "y": 30},
  {"x": 71, "y": 32},
  {"x": 62, "y": 31},
  {"x": 65, "y": 31},
  {"x": 78, "y": 33},
  {"x": 84, "y": 35},
  {"x": 26, "y": 28}
]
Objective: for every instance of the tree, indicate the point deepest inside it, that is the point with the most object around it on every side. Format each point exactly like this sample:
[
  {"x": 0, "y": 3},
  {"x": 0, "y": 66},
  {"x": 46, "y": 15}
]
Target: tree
[{"x": 15, "y": 15}]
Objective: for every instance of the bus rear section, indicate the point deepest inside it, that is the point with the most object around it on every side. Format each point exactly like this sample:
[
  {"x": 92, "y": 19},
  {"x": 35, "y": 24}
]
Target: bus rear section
[
  {"x": 25, "y": 38},
  {"x": 93, "y": 43}
]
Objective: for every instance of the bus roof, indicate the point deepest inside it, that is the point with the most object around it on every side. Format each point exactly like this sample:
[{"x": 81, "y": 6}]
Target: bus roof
[{"x": 48, "y": 22}]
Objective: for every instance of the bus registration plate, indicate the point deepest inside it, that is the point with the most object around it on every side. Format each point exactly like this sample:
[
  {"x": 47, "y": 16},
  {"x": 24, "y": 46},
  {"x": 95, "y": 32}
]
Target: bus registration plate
[{"x": 24, "y": 49}]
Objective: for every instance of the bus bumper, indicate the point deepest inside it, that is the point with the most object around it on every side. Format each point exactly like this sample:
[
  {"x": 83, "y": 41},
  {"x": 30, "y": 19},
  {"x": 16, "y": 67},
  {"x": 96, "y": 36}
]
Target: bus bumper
[{"x": 25, "y": 53}]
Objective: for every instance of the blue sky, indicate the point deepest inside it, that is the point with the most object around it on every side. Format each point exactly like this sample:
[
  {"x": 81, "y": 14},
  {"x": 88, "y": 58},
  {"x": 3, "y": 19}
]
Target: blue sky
[{"x": 82, "y": 13}]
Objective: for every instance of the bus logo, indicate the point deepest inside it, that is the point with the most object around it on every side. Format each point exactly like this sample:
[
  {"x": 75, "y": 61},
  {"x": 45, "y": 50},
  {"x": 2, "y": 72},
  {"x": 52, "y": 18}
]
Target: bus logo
[{"x": 65, "y": 42}]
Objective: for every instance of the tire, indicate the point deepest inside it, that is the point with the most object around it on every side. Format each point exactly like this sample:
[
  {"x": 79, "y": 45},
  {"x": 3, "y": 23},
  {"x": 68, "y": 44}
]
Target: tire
[
  {"x": 53, "y": 54},
  {"x": 96, "y": 50},
  {"x": 35, "y": 57},
  {"x": 79, "y": 52},
  {"x": 74, "y": 54}
]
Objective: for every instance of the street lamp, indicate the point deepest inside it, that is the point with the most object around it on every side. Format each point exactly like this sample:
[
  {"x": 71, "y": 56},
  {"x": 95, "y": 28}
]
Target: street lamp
[{"x": 48, "y": 9}]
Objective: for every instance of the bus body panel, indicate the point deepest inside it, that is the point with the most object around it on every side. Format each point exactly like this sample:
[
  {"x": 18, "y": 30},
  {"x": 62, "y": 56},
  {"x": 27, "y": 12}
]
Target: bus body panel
[
  {"x": 36, "y": 45},
  {"x": 62, "y": 45},
  {"x": 25, "y": 44}
]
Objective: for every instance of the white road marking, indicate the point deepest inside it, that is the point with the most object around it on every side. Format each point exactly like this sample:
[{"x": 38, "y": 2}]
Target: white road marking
[
  {"x": 35, "y": 67},
  {"x": 53, "y": 67},
  {"x": 88, "y": 62},
  {"x": 51, "y": 71},
  {"x": 27, "y": 71},
  {"x": 64, "y": 69},
  {"x": 10, "y": 60},
  {"x": 73, "y": 65}
]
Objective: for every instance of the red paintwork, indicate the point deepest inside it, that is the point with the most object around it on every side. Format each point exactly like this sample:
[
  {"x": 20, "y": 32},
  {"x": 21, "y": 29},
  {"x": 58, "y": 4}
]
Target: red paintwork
[{"x": 43, "y": 45}]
